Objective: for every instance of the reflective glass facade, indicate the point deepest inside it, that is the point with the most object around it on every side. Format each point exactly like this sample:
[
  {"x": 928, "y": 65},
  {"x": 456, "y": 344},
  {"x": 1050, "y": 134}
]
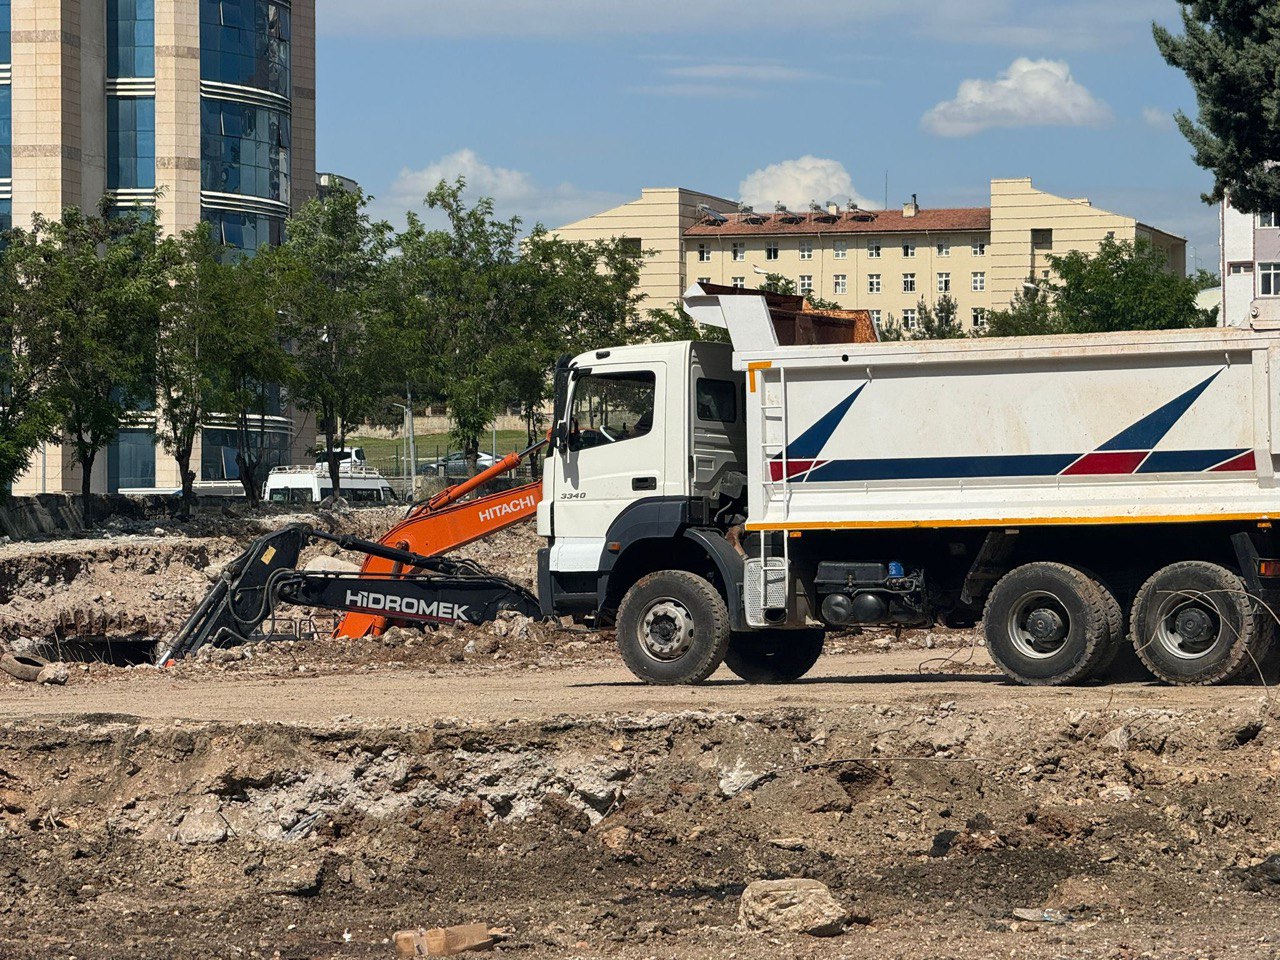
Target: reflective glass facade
[
  {"x": 131, "y": 460},
  {"x": 131, "y": 38},
  {"x": 131, "y": 143},
  {"x": 246, "y": 42},
  {"x": 6, "y": 132},
  {"x": 244, "y": 149},
  {"x": 245, "y": 231},
  {"x": 6, "y": 38},
  {"x": 218, "y": 453}
]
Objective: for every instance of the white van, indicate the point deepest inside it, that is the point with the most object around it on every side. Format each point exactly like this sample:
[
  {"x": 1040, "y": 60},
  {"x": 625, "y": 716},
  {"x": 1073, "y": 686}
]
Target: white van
[{"x": 311, "y": 484}]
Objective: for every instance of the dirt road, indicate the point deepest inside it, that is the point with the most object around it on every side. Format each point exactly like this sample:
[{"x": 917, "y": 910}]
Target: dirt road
[{"x": 406, "y": 695}]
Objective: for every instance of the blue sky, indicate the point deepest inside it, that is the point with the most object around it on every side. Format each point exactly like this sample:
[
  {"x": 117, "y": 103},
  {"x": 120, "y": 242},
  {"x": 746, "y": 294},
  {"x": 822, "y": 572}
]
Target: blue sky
[{"x": 560, "y": 108}]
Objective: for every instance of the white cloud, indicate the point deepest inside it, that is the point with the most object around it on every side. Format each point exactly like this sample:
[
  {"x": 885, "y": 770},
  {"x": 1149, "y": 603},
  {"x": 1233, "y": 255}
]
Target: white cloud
[
  {"x": 514, "y": 192},
  {"x": 1031, "y": 93},
  {"x": 766, "y": 71},
  {"x": 1158, "y": 119},
  {"x": 796, "y": 182}
]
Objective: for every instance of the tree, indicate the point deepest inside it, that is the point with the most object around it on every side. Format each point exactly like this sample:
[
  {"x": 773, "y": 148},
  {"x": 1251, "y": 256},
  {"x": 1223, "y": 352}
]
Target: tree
[
  {"x": 938, "y": 322},
  {"x": 94, "y": 281},
  {"x": 191, "y": 351},
  {"x": 324, "y": 280},
  {"x": 27, "y": 415},
  {"x": 1205, "y": 279},
  {"x": 1230, "y": 51},
  {"x": 1029, "y": 314},
  {"x": 1125, "y": 285}
]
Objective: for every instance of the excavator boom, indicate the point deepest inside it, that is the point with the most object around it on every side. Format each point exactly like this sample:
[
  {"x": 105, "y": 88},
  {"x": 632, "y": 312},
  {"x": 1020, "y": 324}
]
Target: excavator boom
[{"x": 404, "y": 577}]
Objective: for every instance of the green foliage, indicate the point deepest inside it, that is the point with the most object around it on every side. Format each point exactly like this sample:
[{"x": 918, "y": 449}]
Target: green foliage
[
  {"x": 27, "y": 414},
  {"x": 1205, "y": 279},
  {"x": 938, "y": 322},
  {"x": 201, "y": 296},
  {"x": 95, "y": 283},
  {"x": 777, "y": 283},
  {"x": 1124, "y": 286},
  {"x": 673, "y": 325},
  {"x": 1230, "y": 51},
  {"x": 322, "y": 281}
]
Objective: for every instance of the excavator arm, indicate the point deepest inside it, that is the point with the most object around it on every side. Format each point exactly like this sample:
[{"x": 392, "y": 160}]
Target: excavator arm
[{"x": 403, "y": 577}]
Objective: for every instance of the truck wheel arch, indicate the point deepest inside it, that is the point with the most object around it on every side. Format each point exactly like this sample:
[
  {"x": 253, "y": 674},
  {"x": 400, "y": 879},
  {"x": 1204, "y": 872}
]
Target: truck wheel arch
[{"x": 653, "y": 535}]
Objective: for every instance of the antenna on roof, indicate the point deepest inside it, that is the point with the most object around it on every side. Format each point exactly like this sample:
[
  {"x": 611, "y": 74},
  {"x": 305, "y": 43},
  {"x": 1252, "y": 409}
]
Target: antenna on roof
[
  {"x": 780, "y": 207},
  {"x": 715, "y": 216},
  {"x": 853, "y": 204}
]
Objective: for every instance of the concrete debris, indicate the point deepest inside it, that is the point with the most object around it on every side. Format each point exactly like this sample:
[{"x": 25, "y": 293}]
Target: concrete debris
[
  {"x": 443, "y": 941},
  {"x": 201, "y": 826},
  {"x": 795, "y": 905},
  {"x": 54, "y": 674}
]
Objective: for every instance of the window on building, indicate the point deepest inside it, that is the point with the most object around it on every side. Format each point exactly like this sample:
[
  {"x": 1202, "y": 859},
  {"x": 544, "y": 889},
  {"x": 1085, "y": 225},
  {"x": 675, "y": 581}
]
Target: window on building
[
  {"x": 739, "y": 251},
  {"x": 740, "y": 282},
  {"x": 704, "y": 279},
  {"x": 218, "y": 448},
  {"x": 1269, "y": 279},
  {"x": 806, "y": 283},
  {"x": 944, "y": 283},
  {"x": 6, "y": 37},
  {"x": 1235, "y": 269},
  {"x": 131, "y": 38},
  {"x": 875, "y": 317},
  {"x": 771, "y": 250},
  {"x": 978, "y": 282},
  {"x": 873, "y": 283},
  {"x": 944, "y": 248},
  {"x": 806, "y": 249},
  {"x": 1044, "y": 274},
  {"x": 839, "y": 249},
  {"x": 873, "y": 251},
  {"x": 908, "y": 283},
  {"x": 909, "y": 318},
  {"x": 1267, "y": 219},
  {"x": 131, "y": 143},
  {"x": 704, "y": 253},
  {"x": 979, "y": 316},
  {"x": 841, "y": 283},
  {"x": 246, "y": 43},
  {"x": 978, "y": 248},
  {"x": 245, "y": 149},
  {"x": 908, "y": 248},
  {"x": 131, "y": 460},
  {"x": 244, "y": 231},
  {"x": 1042, "y": 239},
  {"x": 6, "y": 131}
]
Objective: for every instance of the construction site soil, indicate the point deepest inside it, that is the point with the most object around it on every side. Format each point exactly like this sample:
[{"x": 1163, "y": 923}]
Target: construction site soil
[{"x": 307, "y": 798}]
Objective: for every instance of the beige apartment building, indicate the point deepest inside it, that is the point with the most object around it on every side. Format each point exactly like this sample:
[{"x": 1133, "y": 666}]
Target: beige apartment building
[
  {"x": 884, "y": 261},
  {"x": 654, "y": 225},
  {"x": 200, "y": 110}
]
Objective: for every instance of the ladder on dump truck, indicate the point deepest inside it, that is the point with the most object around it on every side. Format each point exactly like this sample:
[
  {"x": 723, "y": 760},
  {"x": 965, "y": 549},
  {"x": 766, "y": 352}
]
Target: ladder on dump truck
[{"x": 404, "y": 577}]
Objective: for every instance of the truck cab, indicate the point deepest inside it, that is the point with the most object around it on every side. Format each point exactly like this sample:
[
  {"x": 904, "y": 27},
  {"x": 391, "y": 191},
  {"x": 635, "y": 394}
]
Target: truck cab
[{"x": 648, "y": 466}]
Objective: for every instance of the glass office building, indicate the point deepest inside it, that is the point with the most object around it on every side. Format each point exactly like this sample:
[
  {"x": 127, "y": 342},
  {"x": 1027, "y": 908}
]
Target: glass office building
[{"x": 189, "y": 109}]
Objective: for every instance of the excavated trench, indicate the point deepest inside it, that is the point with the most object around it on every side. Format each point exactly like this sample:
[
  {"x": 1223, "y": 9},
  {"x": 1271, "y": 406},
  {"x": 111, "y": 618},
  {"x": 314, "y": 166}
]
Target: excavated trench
[{"x": 634, "y": 835}]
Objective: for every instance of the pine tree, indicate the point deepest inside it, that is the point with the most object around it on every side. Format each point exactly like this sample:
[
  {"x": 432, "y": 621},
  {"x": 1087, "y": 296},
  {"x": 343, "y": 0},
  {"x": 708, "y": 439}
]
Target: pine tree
[{"x": 1230, "y": 51}]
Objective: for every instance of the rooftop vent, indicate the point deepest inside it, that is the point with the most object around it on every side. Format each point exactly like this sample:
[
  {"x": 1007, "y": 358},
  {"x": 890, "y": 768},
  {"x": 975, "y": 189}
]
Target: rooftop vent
[{"x": 911, "y": 208}]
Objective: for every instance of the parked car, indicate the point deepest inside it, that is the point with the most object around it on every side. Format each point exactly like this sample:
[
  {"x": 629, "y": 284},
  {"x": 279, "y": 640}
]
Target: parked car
[{"x": 455, "y": 466}]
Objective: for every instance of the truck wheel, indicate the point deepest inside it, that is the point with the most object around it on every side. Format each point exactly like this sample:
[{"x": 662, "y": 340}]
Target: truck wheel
[
  {"x": 1195, "y": 623},
  {"x": 774, "y": 656},
  {"x": 1116, "y": 637},
  {"x": 673, "y": 627},
  {"x": 1046, "y": 624}
]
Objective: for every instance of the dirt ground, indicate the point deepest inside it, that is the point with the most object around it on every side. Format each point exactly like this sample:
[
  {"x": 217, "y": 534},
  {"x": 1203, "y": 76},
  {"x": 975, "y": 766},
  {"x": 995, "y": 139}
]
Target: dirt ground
[{"x": 306, "y": 799}]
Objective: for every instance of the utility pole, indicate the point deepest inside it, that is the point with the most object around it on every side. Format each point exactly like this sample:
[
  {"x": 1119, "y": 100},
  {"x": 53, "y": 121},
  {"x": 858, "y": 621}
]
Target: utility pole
[{"x": 413, "y": 446}]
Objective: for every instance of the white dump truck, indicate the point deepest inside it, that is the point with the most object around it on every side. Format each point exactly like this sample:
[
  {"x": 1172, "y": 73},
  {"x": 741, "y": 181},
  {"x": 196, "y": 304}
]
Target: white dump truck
[{"x": 1074, "y": 494}]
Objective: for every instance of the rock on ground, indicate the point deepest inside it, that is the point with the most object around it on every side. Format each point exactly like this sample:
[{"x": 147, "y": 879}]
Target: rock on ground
[{"x": 796, "y": 905}]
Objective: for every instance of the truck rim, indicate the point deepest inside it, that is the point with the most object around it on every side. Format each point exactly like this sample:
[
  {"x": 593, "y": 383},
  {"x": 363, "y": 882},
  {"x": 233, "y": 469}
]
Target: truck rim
[
  {"x": 1187, "y": 627},
  {"x": 666, "y": 631},
  {"x": 1038, "y": 625}
]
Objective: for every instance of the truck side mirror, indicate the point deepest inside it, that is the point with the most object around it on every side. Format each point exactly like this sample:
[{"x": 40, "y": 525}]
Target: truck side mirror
[{"x": 560, "y": 437}]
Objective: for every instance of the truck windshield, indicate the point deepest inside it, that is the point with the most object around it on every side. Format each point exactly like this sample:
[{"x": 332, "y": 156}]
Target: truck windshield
[{"x": 611, "y": 408}]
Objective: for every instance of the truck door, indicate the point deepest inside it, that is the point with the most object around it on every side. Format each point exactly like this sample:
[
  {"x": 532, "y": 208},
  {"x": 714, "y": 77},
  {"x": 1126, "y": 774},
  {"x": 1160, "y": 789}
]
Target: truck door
[
  {"x": 616, "y": 455},
  {"x": 718, "y": 423}
]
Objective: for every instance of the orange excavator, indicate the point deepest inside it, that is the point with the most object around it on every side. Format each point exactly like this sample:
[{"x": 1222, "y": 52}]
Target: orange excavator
[{"x": 405, "y": 576}]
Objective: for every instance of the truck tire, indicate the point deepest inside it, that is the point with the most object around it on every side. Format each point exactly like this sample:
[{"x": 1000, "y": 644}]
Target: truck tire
[
  {"x": 673, "y": 628},
  {"x": 1194, "y": 623},
  {"x": 1047, "y": 624},
  {"x": 1117, "y": 639},
  {"x": 774, "y": 656}
]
